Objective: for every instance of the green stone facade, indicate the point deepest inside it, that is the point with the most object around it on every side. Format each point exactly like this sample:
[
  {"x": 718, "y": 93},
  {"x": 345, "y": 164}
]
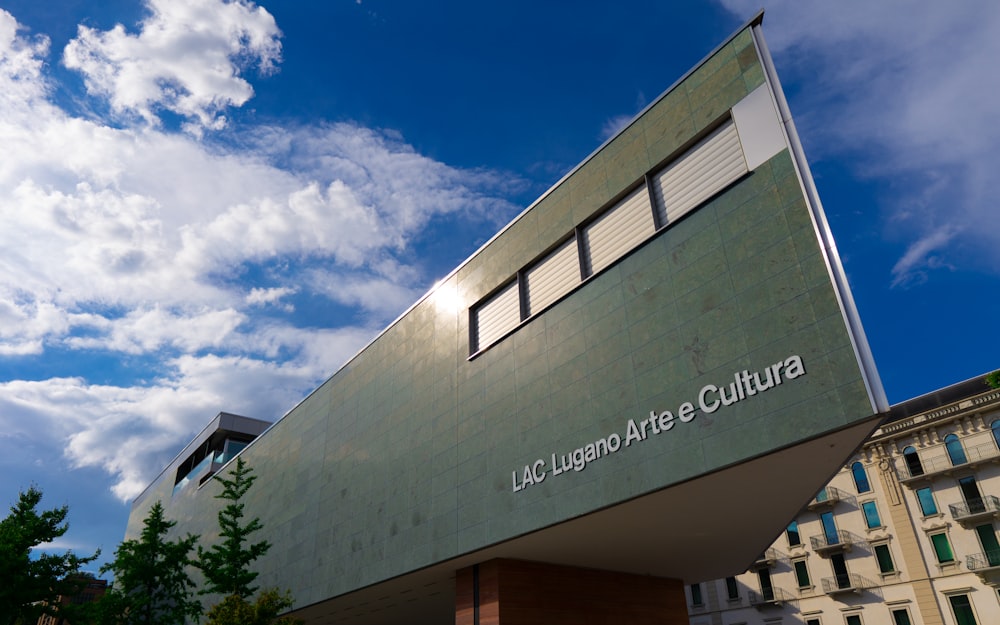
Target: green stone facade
[{"x": 407, "y": 455}]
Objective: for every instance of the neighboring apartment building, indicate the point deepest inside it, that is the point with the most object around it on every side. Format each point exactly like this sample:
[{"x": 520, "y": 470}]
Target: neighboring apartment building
[
  {"x": 904, "y": 534},
  {"x": 91, "y": 590}
]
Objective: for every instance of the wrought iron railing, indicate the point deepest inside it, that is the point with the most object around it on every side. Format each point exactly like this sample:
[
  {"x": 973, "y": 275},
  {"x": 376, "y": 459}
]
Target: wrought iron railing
[
  {"x": 975, "y": 507},
  {"x": 980, "y": 561},
  {"x": 770, "y": 596},
  {"x": 932, "y": 462},
  {"x": 849, "y": 582},
  {"x": 842, "y": 538},
  {"x": 826, "y": 497},
  {"x": 768, "y": 558}
]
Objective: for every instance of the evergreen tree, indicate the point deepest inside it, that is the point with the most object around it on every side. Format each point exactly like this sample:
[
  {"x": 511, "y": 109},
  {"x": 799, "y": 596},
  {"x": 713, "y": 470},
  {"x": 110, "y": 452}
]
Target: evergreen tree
[
  {"x": 235, "y": 610},
  {"x": 30, "y": 585},
  {"x": 152, "y": 586},
  {"x": 226, "y": 565}
]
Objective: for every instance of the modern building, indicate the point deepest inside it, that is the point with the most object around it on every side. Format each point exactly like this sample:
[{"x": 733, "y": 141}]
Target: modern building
[
  {"x": 904, "y": 534},
  {"x": 561, "y": 430}
]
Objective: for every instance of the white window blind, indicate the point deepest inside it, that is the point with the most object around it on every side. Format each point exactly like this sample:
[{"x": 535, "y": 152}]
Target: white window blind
[
  {"x": 703, "y": 171},
  {"x": 618, "y": 231},
  {"x": 553, "y": 277},
  {"x": 497, "y": 316}
]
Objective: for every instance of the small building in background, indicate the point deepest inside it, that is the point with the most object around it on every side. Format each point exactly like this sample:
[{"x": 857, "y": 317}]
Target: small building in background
[{"x": 91, "y": 590}]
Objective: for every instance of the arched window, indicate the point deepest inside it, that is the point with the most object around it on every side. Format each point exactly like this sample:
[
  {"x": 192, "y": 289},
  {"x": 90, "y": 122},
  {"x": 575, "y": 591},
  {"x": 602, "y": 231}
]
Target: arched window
[
  {"x": 860, "y": 478},
  {"x": 955, "y": 451},
  {"x": 913, "y": 462},
  {"x": 995, "y": 426}
]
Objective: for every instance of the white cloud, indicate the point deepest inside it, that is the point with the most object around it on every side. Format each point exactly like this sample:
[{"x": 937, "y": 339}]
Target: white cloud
[
  {"x": 186, "y": 59},
  {"x": 171, "y": 254},
  {"x": 908, "y": 91}
]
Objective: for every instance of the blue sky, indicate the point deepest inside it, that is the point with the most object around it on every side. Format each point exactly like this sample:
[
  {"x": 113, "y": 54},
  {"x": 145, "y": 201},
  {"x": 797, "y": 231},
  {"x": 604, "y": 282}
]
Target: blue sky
[{"x": 210, "y": 205}]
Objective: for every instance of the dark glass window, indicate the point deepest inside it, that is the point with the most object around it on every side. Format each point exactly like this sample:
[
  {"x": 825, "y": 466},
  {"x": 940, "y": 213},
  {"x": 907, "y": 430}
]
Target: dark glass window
[
  {"x": 942, "y": 548},
  {"x": 853, "y": 619},
  {"x": 926, "y": 499},
  {"x": 871, "y": 514},
  {"x": 802, "y": 574},
  {"x": 732, "y": 588},
  {"x": 995, "y": 426},
  {"x": 793, "y": 534},
  {"x": 696, "y": 594},
  {"x": 884, "y": 558},
  {"x": 962, "y": 608},
  {"x": 900, "y": 617},
  {"x": 860, "y": 478},
  {"x": 913, "y": 462}
]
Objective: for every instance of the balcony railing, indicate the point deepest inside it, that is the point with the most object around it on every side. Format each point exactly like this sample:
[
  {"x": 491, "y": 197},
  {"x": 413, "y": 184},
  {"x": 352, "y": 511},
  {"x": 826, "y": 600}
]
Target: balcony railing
[
  {"x": 983, "y": 562},
  {"x": 975, "y": 509},
  {"x": 845, "y": 583},
  {"x": 828, "y": 497},
  {"x": 825, "y": 544},
  {"x": 768, "y": 558},
  {"x": 933, "y": 462},
  {"x": 772, "y": 596}
]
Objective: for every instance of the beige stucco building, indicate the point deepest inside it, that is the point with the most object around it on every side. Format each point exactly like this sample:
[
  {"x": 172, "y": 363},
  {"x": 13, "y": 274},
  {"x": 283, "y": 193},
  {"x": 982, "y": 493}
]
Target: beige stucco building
[{"x": 905, "y": 533}]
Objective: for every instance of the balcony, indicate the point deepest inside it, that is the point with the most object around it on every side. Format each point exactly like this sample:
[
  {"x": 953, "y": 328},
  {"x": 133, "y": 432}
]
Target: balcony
[
  {"x": 976, "y": 510},
  {"x": 827, "y": 544},
  {"x": 983, "y": 564},
  {"x": 845, "y": 583},
  {"x": 772, "y": 597},
  {"x": 826, "y": 498},
  {"x": 767, "y": 559},
  {"x": 936, "y": 461}
]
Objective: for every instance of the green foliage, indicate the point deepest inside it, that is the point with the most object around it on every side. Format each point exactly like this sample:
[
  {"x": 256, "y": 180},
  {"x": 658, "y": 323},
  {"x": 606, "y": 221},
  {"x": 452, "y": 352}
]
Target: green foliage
[
  {"x": 993, "y": 379},
  {"x": 226, "y": 566},
  {"x": 152, "y": 586},
  {"x": 30, "y": 585},
  {"x": 236, "y": 610}
]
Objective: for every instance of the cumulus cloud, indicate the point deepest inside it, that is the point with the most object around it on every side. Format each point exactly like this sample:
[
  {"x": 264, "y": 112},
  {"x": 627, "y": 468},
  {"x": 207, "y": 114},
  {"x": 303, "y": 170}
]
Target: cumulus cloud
[
  {"x": 176, "y": 255},
  {"x": 187, "y": 58},
  {"x": 909, "y": 94}
]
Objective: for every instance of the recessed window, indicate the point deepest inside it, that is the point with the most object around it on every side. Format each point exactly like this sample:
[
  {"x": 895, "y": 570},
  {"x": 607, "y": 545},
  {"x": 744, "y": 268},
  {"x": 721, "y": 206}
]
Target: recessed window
[
  {"x": 995, "y": 428},
  {"x": 956, "y": 453},
  {"x": 792, "y": 532},
  {"x": 860, "y": 478},
  {"x": 497, "y": 316},
  {"x": 871, "y": 514},
  {"x": 616, "y": 232},
  {"x": 813, "y": 621},
  {"x": 913, "y": 464},
  {"x": 962, "y": 608},
  {"x": 802, "y": 573},
  {"x": 901, "y": 616},
  {"x": 732, "y": 589},
  {"x": 884, "y": 558},
  {"x": 942, "y": 548},
  {"x": 926, "y": 499},
  {"x": 696, "y": 595},
  {"x": 553, "y": 277},
  {"x": 853, "y": 619}
]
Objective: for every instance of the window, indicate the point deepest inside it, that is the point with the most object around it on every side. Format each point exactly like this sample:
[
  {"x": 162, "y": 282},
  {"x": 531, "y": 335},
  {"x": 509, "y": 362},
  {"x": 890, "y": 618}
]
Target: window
[
  {"x": 995, "y": 426},
  {"x": 552, "y": 278},
  {"x": 926, "y": 499},
  {"x": 913, "y": 462},
  {"x": 971, "y": 494},
  {"x": 942, "y": 548},
  {"x": 497, "y": 316},
  {"x": 732, "y": 588},
  {"x": 793, "y": 534},
  {"x": 988, "y": 540},
  {"x": 900, "y": 617},
  {"x": 860, "y": 478},
  {"x": 802, "y": 573},
  {"x": 812, "y": 621},
  {"x": 696, "y": 594},
  {"x": 962, "y": 608},
  {"x": 853, "y": 619},
  {"x": 955, "y": 451},
  {"x": 884, "y": 559},
  {"x": 618, "y": 231},
  {"x": 871, "y": 514},
  {"x": 829, "y": 529}
]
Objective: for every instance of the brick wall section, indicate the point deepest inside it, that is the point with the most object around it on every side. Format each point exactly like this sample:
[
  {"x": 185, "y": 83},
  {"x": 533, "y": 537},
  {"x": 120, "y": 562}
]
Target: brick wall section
[{"x": 518, "y": 592}]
